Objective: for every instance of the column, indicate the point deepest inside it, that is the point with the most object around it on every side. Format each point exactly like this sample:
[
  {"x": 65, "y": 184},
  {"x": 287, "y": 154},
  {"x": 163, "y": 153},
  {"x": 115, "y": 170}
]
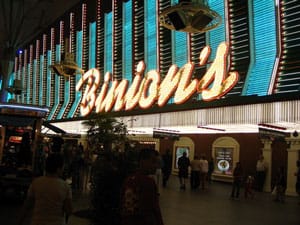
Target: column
[
  {"x": 293, "y": 154},
  {"x": 2, "y": 141},
  {"x": 267, "y": 153}
]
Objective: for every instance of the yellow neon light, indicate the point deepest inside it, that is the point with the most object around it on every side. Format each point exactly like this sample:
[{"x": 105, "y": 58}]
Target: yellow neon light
[{"x": 146, "y": 90}]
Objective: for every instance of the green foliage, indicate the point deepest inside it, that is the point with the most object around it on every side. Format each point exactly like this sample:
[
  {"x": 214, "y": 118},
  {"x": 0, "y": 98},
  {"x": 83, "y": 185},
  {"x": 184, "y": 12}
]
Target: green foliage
[
  {"x": 104, "y": 131},
  {"x": 111, "y": 167}
]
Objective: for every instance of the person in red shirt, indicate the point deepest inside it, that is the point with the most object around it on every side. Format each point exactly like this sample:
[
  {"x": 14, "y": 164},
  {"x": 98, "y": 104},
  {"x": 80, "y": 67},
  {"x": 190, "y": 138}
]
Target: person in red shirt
[{"x": 139, "y": 196}]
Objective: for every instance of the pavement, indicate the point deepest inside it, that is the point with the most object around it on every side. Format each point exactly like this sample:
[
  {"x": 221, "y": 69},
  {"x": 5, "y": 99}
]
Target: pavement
[{"x": 211, "y": 206}]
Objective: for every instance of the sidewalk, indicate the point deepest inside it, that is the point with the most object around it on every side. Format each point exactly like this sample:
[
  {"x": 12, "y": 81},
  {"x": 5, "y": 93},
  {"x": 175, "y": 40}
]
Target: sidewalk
[{"x": 195, "y": 207}]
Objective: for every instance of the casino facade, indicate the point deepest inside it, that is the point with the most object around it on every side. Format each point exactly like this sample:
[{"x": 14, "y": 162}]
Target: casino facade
[{"x": 231, "y": 93}]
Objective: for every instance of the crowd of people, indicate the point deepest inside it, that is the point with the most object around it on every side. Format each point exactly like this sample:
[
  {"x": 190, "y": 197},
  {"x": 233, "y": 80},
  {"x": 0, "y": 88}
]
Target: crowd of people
[{"x": 139, "y": 192}]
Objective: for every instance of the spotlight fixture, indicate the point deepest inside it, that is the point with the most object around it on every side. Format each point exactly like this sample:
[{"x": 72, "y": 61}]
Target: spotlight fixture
[
  {"x": 192, "y": 17},
  {"x": 67, "y": 67}
]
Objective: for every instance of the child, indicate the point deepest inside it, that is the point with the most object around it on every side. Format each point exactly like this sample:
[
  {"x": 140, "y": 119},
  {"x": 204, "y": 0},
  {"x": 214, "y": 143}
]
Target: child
[{"x": 248, "y": 187}]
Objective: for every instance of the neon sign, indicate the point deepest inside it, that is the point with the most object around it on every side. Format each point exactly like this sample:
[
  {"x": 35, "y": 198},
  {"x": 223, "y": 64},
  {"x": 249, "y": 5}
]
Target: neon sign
[{"x": 145, "y": 91}]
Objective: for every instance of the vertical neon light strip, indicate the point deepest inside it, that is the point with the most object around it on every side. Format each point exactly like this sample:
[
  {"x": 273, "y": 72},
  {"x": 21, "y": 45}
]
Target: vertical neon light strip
[
  {"x": 34, "y": 82},
  {"x": 150, "y": 34},
  {"x": 61, "y": 80},
  {"x": 179, "y": 48},
  {"x": 30, "y": 82},
  {"x": 78, "y": 76},
  {"x": 179, "y": 45},
  {"x": 72, "y": 79},
  {"x": 263, "y": 48},
  {"x": 127, "y": 40},
  {"x": 217, "y": 35},
  {"x": 19, "y": 75},
  {"x": 52, "y": 74},
  {"x": 83, "y": 52},
  {"x": 64, "y": 84},
  {"x": 92, "y": 45},
  {"x": 37, "y": 73},
  {"x": 25, "y": 77},
  {"x": 108, "y": 42},
  {"x": 48, "y": 87},
  {"x": 40, "y": 81},
  {"x": 43, "y": 88},
  {"x": 56, "y": 90},
  {"x": 99, "y": 34},
  {"x": 11, "y": 79}
]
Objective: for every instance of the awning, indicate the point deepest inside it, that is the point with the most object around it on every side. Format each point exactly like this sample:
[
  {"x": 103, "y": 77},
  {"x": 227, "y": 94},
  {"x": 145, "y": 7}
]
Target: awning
[{"x": 53, "y": 128}]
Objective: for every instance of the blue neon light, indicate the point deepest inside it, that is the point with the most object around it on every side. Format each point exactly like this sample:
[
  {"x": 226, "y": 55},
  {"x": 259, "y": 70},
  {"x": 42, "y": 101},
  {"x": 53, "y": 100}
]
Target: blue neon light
[
  {"x": 217, "y": 35},
  {"x": 179, "y": 45},
  {"x": 48, "y": 94},
  {"x": 108, "y": 44},
  {"x": 41, "y": 92},
  {"x": 151, "y": 34},
  {"x": 28, "y": 89},
  {"x": 23, "y": 107},
  {"x": 92, "y": 45},
  {"x": 34, "y": 82},
  {"x": 56, "y": 88},
  {"x": 10, "y": 83},
  {"x": 78, "y": 76},
  {"x": 127, "y": 40},
  {"x": 263, "y": 47}
]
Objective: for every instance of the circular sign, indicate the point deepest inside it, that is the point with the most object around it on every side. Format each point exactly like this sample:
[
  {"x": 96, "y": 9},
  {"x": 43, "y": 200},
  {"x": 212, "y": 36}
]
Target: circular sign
[{"x": 223, "y": 165}]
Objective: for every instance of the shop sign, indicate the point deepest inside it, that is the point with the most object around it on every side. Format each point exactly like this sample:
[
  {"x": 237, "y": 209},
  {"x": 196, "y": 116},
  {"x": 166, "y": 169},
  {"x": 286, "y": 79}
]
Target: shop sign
[{"x": 145, "y": 91}]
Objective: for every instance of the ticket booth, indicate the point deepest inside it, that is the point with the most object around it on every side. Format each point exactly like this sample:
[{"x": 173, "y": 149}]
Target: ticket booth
[{"x": 20, "y": 125}]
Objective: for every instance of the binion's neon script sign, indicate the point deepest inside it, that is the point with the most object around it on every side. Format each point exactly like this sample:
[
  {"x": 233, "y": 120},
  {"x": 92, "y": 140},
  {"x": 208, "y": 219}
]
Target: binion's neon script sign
[{"x": 145, "y": 91}]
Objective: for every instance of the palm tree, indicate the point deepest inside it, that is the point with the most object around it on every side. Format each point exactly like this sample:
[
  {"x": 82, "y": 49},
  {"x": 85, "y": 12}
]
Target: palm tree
[
  {"x": 105, "y": 130},
  {"x": 111, "y": 167}
]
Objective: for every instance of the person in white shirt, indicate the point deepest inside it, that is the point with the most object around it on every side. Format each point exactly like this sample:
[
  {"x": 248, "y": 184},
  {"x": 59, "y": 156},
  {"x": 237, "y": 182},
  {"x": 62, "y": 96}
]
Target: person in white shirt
[
  {"x": 49, "y": 196},
  {"x": 203, "y": 171}
]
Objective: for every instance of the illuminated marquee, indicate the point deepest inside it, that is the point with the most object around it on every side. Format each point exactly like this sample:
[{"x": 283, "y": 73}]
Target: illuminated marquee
[{"x": 147, "y": 90}]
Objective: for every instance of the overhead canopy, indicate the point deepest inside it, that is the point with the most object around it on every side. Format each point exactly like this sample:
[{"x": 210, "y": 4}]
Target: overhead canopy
[{"x": 53, "y": 128}]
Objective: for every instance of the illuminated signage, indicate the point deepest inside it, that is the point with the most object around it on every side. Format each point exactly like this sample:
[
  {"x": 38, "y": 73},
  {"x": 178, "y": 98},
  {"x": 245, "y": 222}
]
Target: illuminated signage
[{"x": 145, "y": 91}]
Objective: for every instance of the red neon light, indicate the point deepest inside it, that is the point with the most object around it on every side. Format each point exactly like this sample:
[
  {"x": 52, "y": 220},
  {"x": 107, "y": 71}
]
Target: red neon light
[{"x": 146, "y": 90}]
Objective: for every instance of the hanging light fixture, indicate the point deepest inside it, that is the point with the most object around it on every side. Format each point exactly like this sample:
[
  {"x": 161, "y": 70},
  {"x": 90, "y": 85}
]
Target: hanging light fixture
[
  {"x": 67, "y": 66},
  {"x": 193, "y": 17}
]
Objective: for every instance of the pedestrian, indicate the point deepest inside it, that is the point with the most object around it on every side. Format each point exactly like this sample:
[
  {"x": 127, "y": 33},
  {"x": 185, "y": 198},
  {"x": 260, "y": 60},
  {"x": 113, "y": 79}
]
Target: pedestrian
[
  {"x": 249, "y": 187},
  {"x": 139, "y": 198},
  {"x": 237, "y": 181},
  {"x": 167, "y": 166},
  {"x": 76, "y": 167},
  {"x": 211, "y": 168},
  {"x": 49, "y": 196},
  {"x": 158, "y": 172},
  {"x": 280, "y": 185},
  {"x": 183, "y": 167},
  {"x": 195, "y": 172},
  {"x": 203, "y": 171},
  {"x": 261, "y": 169},
  {"x": 297, "y": 174}
]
